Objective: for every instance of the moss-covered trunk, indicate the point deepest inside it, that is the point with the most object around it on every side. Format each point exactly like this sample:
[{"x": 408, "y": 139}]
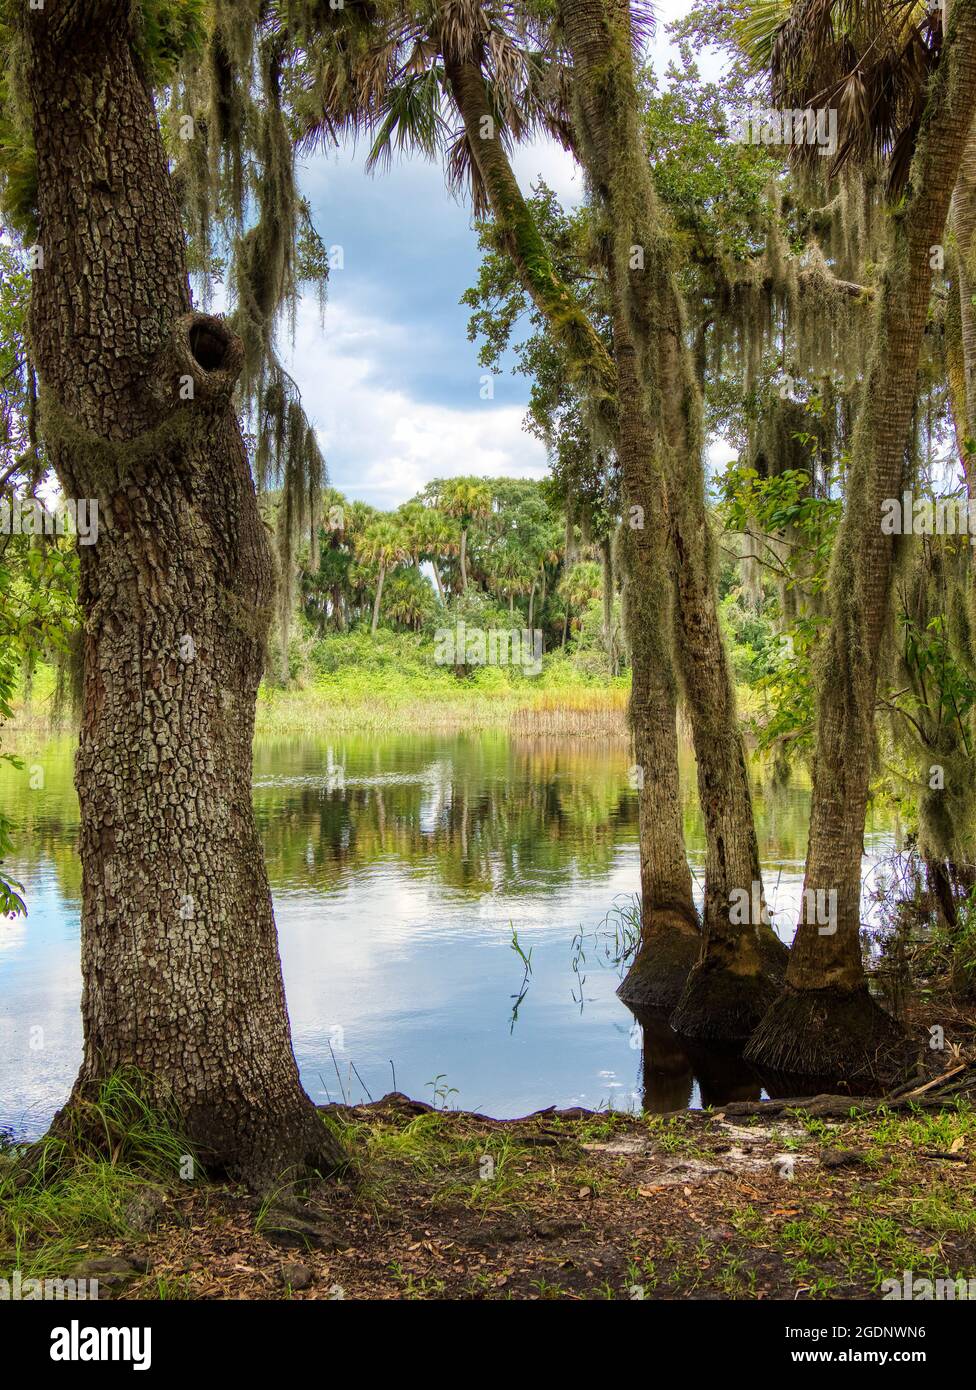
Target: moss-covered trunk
[
  {"x": 734, "y": 981},
  {"x": 963, "y": 223},
  {"x": 669, "y": 934},
  {"x": 826, "y": 1023},
  {"x": 181, "y": 974}
]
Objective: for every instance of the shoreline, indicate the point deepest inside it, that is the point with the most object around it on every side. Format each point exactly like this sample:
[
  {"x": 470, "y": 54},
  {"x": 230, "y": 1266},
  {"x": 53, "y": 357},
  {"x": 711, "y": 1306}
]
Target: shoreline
[{"x": 751, "y": 1202}]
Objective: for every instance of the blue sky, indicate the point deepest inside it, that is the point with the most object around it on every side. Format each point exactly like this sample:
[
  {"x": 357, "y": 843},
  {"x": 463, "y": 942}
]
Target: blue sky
[{"x": 388, "y": 377}]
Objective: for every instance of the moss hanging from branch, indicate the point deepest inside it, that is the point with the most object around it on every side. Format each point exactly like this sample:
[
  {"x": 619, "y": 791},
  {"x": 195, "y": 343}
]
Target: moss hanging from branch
[{"x": 239, "y": 187}]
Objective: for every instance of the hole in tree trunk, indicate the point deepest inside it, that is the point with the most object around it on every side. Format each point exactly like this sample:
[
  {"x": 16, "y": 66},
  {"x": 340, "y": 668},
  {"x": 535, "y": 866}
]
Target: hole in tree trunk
[{"x": 208, "y": 346}]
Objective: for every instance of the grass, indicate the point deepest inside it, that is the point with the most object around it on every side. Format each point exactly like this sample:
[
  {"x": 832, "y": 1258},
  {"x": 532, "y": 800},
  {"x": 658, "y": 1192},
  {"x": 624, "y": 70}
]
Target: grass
[
  {"x": 392, "y": 684},
  {"x": 387, "y": 687},
  {"x": 79, "y": 1185},
  {"x": 449, "y": 1205},
  {"x": 486, "y": 1171},
  {"x": 896, "y": 1217}
]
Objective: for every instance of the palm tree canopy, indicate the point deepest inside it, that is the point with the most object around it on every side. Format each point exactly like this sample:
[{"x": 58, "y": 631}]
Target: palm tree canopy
[{"x": 868, "y": 59}]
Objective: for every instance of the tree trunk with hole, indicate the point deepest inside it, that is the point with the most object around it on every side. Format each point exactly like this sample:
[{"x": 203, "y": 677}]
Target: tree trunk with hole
[
  {"x": 180, "y": 966},
  {"x": 825, "y": 1023},
  {"x": 669, "y": 922},
  {"x": 742, "y": 961}
]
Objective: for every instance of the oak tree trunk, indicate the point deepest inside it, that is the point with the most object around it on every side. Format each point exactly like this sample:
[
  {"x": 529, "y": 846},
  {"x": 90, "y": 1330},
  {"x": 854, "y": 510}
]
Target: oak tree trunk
[{"x": 180, "y": 966}]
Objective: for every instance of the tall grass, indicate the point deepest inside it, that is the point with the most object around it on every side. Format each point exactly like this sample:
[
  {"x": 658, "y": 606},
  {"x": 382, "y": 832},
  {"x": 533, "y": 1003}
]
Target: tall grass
[{"x": 73, "y": 1187}]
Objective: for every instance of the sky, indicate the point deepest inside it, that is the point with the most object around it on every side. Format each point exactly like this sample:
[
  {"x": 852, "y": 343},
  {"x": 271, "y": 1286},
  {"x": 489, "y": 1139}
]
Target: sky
[{"x": 388, "y": 377}]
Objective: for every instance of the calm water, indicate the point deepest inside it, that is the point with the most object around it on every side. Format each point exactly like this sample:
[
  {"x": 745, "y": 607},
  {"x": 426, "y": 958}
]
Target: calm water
[{"x": 400, "y": 868}]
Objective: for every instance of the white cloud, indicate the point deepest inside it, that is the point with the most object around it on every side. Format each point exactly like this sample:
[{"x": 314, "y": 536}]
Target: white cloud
[
  {"x": 381, "y": 445},
  {"x": 558, "y": 169}
]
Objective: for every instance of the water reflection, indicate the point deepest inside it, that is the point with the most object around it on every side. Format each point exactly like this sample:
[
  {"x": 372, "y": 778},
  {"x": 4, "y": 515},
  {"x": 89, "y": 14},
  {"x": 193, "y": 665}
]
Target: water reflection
[
  {"x": 401, "y": 866},
  {"x": 678, "y": 1074}
]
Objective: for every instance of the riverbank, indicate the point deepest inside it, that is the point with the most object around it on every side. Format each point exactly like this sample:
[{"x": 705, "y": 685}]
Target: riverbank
[
  {"x": 384, "y": 696},
  {"x": 750, "y": 1201}
]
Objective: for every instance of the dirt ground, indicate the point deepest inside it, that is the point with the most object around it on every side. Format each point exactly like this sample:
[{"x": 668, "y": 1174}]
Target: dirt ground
[{"x": 443, "y": 1204}]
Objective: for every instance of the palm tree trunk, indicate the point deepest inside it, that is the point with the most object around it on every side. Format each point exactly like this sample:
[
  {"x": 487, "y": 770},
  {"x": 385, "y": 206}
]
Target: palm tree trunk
[
  {"x": 182, "y": 978},
  {"x": 338, "y": 609},
  {"x": 606, "y": 551},
  {"x": 378, "y": 600},
  {"x": 463, "y": 559},
  {"x": 963, "y": 223},
  {"x": 669, "y": 921},
  {"x": 826, "y": 1023},
  {"x": 742, "y": 961},
  {"x": 670, "y": 940}
]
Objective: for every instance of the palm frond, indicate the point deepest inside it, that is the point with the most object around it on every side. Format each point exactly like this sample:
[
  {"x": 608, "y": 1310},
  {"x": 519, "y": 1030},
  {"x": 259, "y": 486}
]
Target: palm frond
[{"x": 411, "y": 119}]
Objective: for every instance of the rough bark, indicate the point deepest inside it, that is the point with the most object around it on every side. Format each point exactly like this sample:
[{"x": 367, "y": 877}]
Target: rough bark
[
  {"x": 669, "y": 930},
  {"x": 180, "y": 965},
  {"x": 826, "y": 1023},
  {"x": 734, "y": 981},
  {"x": 670, "y": 935}
]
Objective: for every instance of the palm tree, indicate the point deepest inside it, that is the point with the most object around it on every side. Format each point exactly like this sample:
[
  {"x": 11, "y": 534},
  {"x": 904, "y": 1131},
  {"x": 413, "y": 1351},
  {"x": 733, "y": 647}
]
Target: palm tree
[
  {"x": 381, "y": 545},
  {"x": 409, "y": 598},
  {"x": 661, "y": 447},
  {"x": 579, "y": 587},
  {"x": 467, "y": 500},
  {"x": 872, "y": 62},
  {"x": 825, "y": 1022},
  {"x": 509, "y": 572},
  {"x": 430, "y": 535},
  {"x": 443, "y": 540}
]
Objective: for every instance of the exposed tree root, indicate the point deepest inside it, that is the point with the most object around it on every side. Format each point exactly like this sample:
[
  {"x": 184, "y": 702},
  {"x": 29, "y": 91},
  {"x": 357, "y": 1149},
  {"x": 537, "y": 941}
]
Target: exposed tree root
[
  {"x": 663, "y": 962},
  {"x": 721, "y": 1004},
  {"x": 840, "y": 1034}
]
